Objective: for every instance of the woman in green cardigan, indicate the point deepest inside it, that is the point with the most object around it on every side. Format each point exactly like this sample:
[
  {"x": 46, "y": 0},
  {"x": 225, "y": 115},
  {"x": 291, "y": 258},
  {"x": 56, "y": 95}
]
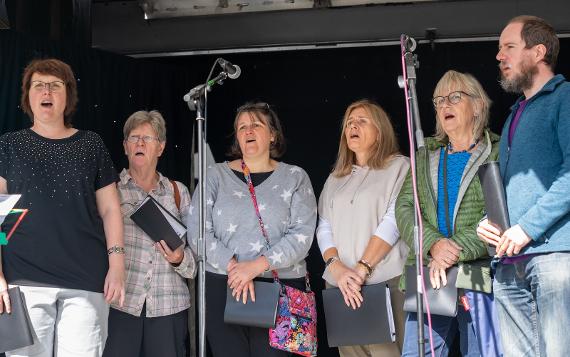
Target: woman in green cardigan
[{"x": 451, "y": 205}]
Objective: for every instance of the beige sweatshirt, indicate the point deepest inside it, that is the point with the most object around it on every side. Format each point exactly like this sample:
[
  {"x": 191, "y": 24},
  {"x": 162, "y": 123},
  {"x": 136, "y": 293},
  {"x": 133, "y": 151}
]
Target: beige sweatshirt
[{"x": 354, "y": 205}]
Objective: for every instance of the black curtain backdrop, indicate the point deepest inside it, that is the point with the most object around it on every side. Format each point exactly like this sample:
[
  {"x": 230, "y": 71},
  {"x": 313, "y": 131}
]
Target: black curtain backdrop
[
  {"x": 111, "y": 87},
  {"x": 309, "y": 90}
]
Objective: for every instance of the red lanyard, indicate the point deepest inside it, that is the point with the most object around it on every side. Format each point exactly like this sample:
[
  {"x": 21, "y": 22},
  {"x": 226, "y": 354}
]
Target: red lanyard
[{"x": 247, "y": 176}]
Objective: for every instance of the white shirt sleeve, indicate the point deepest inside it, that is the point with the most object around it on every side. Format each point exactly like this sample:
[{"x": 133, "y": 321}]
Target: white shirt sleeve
[
  {"x": 387, "y": 230},
  {"x": 324, "y": 235}
]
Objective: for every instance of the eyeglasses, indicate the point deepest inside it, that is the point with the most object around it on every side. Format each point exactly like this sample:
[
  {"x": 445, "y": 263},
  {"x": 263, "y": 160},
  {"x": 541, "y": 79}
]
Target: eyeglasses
[
  {"x": 55, "y": 86},
  {"x": 453, "y": 98},
  {"x": 146, "y": 138}
]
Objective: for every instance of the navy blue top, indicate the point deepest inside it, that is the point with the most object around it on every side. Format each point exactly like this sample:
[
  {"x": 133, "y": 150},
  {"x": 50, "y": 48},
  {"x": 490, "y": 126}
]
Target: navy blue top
[{"x": 455, "y": 166}]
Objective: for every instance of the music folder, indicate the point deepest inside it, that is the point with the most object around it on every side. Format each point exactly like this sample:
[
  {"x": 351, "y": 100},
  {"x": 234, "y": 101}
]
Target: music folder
[
  {"x": 15, "y": 327},
  {"x": 159, "y": 224},
  {"x": 371, "y": 323},
  {"x": 494, "y": 195}
]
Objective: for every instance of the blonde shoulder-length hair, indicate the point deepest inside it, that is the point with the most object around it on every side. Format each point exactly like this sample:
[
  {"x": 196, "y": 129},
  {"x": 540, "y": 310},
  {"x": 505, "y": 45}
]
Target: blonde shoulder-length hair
[
  {"x": 385, "y": 147},
  {"x": 465, "y": 82}
]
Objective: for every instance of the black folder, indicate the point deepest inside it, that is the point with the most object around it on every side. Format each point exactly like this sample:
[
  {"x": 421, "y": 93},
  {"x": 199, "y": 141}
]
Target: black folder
[
  {"x": 494, "y": 193},
  {"x": 371, "y": 323},
  {"x": 159, "y": 223},
  {"x": 442, "y": 301},
  {"x": 15, "y": 327},
  {"x": 261, "y": 313}
]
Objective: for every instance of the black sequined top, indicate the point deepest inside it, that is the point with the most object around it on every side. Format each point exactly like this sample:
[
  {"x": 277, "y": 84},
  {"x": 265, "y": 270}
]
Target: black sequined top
[{"x": 60, "y": 242}]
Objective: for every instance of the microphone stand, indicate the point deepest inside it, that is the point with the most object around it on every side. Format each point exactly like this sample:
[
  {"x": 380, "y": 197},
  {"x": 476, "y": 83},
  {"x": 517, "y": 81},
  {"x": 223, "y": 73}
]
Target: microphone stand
[
  {"x": 408, "y": 81},
  {"x": 196, "y": 99}
]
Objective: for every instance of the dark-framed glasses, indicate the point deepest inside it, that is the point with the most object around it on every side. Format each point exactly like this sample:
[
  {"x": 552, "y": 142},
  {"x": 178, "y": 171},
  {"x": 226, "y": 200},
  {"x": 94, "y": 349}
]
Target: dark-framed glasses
[
  {"x": 40, "y": 86},
  {"x": 146, "y": 138},
  {"x": 452, "y": 98}
]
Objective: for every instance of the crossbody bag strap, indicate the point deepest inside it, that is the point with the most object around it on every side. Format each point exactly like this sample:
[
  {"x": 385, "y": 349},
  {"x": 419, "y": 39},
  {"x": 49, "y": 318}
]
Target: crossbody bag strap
[
  {"x": 445, "y": 195},
  {"x": 176, "y": 193},
  {"x": 247, "y": 175}
]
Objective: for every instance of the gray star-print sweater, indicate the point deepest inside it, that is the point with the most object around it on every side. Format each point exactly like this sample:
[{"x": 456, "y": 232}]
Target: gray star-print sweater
[{"x": 287, "y": 206}]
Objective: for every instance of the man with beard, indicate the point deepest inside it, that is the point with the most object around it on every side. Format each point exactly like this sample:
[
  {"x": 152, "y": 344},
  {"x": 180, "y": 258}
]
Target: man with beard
[{"x": 532, "y": 280}]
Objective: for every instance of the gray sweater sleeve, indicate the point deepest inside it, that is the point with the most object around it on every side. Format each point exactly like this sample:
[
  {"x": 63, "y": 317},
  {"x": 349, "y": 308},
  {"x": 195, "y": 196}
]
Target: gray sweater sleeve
[
  {"x": 187, "y": 268},
  {"x": 298, "y": 237},
  {"x": 220, "y": 256}
]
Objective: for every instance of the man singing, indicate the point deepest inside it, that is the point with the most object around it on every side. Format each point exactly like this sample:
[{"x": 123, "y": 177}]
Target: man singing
[{"x": 532, "y": 281}]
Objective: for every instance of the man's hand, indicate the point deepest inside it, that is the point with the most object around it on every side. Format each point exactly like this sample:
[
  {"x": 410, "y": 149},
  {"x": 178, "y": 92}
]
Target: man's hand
[
  {"x": 489, "y": 233},
  {"x": 513, "y": 241}
]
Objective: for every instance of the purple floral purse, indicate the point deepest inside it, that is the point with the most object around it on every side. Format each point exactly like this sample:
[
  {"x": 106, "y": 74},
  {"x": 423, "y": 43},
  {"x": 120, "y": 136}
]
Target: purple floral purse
[
  {"x": 296, "y": 325},
  {"x": 295, "y": 328}
]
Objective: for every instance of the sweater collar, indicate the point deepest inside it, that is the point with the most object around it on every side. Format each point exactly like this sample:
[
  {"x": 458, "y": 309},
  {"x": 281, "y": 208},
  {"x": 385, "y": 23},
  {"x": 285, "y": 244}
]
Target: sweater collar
[
  {"x": 550, "y": 86},
  {"x": 433, "y": 144}
]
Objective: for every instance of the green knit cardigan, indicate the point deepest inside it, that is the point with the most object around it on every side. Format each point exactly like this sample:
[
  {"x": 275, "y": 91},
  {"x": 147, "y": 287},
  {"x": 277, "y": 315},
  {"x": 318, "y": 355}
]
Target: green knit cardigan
[{"x": 470, "y": 207}]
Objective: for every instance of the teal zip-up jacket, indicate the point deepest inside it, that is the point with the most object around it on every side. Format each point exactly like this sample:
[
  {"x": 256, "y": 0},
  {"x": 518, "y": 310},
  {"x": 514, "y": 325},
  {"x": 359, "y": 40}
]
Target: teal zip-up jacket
[
  {"x": 536, "y": 168},
  {"x": 469, "y": 208}
]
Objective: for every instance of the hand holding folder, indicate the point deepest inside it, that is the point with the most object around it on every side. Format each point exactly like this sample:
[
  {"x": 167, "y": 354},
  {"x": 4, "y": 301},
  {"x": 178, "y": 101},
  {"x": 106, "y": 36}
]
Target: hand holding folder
[
  {"x": 495, "y": 199},
  {"x": 371, "y": 323},
  {"x": 159, "y": 224},
  {"x": 15, "y": 327}
]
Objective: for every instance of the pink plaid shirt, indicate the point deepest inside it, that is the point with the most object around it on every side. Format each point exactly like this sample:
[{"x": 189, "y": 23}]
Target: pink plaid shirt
[{"x": 150, "y": 278}]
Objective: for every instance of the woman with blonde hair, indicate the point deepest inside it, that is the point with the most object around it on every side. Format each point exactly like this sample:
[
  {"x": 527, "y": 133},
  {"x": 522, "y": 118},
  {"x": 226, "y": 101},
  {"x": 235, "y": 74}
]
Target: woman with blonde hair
[
  {"x": 451, "y": 201},
  {"x": 357, "y": 232}
]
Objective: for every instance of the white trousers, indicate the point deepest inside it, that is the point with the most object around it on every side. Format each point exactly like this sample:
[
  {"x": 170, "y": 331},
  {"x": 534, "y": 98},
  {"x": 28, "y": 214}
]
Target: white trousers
[{"x": 67, "y": 323}]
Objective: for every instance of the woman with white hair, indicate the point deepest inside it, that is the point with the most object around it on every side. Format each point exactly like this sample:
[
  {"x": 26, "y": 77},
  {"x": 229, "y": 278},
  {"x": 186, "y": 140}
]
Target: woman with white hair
[{"x": 451, "y": 201}]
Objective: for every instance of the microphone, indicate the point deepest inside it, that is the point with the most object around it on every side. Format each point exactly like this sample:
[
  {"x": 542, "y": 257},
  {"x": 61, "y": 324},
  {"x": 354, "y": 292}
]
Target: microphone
[{"x": 232, "y": 70}]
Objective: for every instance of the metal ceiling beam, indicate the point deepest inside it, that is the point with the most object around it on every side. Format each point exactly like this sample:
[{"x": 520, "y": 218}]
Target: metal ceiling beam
[{"x": 120, "y": 27}]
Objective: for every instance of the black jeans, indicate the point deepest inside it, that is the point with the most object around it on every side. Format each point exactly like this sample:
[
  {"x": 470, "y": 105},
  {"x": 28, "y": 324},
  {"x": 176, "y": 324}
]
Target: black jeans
[{"x": 234, "y": 340}]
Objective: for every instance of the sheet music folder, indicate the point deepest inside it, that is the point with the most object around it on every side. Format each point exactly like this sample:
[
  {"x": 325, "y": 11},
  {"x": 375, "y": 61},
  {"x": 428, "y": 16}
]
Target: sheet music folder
[
  {"x": 371, "y": 323},
  {"x": 15, "y": 328},
  {"x": 494, "y": 194},
  {"x": 159, "y": 223}
]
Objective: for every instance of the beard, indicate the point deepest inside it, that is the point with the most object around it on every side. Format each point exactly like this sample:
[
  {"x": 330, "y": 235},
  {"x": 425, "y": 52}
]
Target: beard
[{"x": 521, "y": 81}]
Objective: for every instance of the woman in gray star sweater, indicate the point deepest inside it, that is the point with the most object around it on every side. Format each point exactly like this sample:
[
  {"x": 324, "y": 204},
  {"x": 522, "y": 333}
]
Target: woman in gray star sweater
[{"x": 237, "y": 251}]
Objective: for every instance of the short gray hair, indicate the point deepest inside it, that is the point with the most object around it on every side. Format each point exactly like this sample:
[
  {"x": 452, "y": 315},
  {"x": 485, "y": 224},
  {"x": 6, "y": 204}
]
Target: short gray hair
[
  {"x": 154, "y": 118},
  {"x": 480, "y": 100}
]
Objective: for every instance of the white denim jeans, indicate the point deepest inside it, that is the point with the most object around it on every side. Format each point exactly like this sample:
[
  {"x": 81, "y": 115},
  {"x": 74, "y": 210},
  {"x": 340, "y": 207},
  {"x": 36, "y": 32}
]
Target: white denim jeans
[{"x": 67, "y": 323}]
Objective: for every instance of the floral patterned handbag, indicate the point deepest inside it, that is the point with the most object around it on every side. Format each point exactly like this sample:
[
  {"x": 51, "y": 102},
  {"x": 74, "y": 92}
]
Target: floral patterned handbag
[
  {"x": 295, "y": 328},
  {"x": 296, "y": 325}
]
